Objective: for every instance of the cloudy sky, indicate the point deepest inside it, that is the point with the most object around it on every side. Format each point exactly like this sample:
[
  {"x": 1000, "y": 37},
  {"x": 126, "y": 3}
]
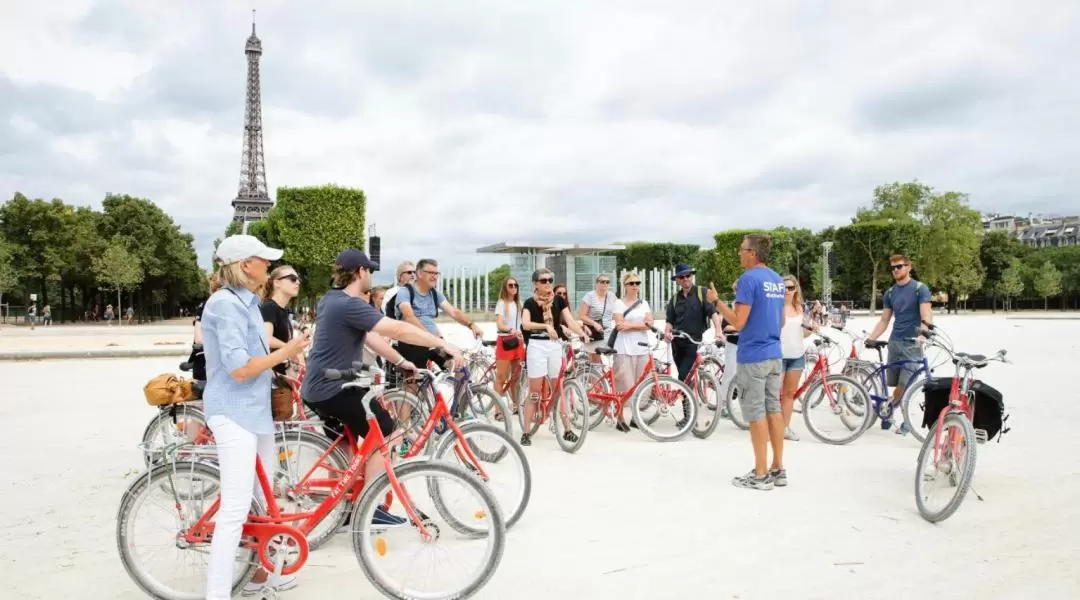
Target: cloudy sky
[{"x": 471, "y": 123}]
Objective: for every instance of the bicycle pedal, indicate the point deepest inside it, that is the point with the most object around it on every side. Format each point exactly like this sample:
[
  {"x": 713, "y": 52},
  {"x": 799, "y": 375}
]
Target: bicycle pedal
[{"x": 981, "y": 436}]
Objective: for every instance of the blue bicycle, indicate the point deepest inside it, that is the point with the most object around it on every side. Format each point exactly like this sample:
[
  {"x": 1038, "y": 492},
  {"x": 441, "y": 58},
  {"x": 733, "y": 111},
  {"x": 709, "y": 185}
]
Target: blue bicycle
[{"x": 872, "y": 376}]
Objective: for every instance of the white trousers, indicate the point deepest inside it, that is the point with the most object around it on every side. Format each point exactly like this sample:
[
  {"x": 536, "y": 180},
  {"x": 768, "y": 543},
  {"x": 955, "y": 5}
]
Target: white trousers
[
  {"x": 236, "y": 448},
  {"x": 729, "y": 371},
  {"x": 544, "y": 357}
]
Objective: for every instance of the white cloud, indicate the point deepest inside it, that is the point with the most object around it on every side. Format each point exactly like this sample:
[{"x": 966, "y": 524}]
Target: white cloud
[{"x": 558, "y": 121}]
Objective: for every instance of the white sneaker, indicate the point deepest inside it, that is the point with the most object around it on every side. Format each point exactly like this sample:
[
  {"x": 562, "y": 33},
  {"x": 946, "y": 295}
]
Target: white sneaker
[
  {"x": 282, "y": 583},
  {"x": 789, "y": 434}
]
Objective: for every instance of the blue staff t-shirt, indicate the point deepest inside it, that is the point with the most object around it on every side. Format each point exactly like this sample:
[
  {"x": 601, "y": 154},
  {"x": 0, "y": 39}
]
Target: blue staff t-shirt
[{"x": 762, "y": 290}]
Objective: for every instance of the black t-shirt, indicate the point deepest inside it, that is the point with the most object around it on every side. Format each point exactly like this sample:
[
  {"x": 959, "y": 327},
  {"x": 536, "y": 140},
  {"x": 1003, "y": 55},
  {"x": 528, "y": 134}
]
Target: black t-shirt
[
  {"x": 278, "y": 317},
  {"x": 341, "y": 326},
  {"x": 536, "y": 314}
]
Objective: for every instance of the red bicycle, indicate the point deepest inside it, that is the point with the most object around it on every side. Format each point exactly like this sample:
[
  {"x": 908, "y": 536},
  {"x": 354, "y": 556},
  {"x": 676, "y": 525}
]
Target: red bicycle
[
  {"x": 276, "y": 539},
  {"x": 947, "y": 456},
  {"x": 569, "y": 396}
]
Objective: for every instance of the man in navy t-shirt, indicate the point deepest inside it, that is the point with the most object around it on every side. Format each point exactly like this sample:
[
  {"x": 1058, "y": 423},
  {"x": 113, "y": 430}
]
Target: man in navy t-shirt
[
  {"x": 909, "y": 301},
  {"x": 759, "y": 316}
]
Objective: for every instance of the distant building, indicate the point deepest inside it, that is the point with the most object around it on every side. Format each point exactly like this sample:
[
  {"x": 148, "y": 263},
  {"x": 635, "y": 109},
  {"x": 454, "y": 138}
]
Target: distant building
[{"x": 1035, "y": 230}]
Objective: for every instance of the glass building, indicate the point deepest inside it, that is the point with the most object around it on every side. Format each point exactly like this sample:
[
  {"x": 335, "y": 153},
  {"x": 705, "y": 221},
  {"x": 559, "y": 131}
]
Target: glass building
[{"x": 576, "y": 265}]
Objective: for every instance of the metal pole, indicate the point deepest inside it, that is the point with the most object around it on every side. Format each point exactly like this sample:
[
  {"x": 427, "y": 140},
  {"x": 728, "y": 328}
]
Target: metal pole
[{"x": 826, "y": 279}]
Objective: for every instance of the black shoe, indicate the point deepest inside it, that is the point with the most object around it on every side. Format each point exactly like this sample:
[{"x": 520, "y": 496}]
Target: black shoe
[
  {"x": 623, "y": 427},
  {"x": 570, "y": 436},
  {"x": 526, "y": 439}
]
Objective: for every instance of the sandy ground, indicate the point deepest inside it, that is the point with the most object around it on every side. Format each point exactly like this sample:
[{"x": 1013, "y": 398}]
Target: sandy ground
[
  {"x": 626, "y": 517},
  {"x": 89, "y": 337}
]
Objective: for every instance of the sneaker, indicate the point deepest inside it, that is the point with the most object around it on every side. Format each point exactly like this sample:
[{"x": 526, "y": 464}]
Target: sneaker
[
  {"x": 752, "y": 482},
  {"x": 570, "y": 436},
  {"x": 281, "y": 582},
  {"x": 623, "y": 427},
  {"x": 526, "y": 439},
  {"x": 383, "y": 518},
  {"x": 779, "y": 477},
  {"x": 886, "y": 425},
  {"x": 789, "y": 434},
  {"x": 903, "y": 429}
]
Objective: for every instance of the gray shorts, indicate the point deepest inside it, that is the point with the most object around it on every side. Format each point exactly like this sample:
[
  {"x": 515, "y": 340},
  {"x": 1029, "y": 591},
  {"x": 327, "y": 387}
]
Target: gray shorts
[
  {"x": 902, "y": 374},
  {"x": 759, "y": 388}
]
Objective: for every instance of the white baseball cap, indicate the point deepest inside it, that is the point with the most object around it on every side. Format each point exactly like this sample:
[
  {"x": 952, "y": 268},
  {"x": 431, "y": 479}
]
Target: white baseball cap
[{"x": 236, "y": 248}]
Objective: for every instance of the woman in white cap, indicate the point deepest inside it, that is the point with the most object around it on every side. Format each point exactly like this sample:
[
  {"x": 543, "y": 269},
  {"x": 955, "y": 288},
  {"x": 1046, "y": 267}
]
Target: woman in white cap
[{"x": 237, "y": 399}]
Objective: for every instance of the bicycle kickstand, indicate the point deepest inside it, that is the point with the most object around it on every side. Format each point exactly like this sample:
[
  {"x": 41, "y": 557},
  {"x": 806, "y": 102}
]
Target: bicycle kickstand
[{"x": 972, "y": 488}]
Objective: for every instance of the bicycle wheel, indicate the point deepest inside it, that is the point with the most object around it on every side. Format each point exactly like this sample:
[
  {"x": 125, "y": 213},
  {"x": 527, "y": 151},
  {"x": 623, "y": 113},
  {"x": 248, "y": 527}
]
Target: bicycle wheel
[
  {"x": 664, "y": 396},
  {"x": 708, "y": 405},
  {"x": 307, "y": 471},
  {"x": 570, "y": 417},
  {"x": 480, "y": 404},
  {"x": 409, "y": 412},
  {"x": 182, "y": 571},
  {"x": 955, "y": 466},
  {"x": 178, "y": 424},
  {"x": 913, "y": 405},
  {"x": 713, "y": 367},
  {"x": 828, "y": 411},
  {"x": 593, "y": 383},
  {"x": 731, "y": 401},
  {"x": 506, "y": 467},
  {"x": 473, "y": 530}
]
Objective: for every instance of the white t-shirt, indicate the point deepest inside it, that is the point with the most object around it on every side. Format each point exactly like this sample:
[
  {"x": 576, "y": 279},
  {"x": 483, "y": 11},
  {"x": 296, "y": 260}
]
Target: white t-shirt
[
  {"x": 627, "y": 341},
  {"x": 510, "y": 316}
]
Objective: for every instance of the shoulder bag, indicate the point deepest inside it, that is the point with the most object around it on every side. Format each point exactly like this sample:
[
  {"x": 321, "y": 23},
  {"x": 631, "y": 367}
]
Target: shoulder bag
[{"x": 615, "y": 332}]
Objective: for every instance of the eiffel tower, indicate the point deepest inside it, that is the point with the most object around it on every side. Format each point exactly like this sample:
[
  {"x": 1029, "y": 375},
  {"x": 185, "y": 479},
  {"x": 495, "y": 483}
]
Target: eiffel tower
[{"x": 252, "y": 200}]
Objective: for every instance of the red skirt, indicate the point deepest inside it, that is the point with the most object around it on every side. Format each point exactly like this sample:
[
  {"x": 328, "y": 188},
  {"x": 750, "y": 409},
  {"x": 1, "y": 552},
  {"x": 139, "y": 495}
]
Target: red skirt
[{"x": 504, "y": 354}]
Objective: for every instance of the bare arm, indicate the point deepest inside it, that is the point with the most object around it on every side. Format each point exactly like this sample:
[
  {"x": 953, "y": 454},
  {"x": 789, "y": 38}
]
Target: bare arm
[
  {"x": 407, "y": 332},
  {"x": 735, "y": 317},
  {"x": 926, "y": 313},
  {"x": 380, "y": 346},
  {"x": 883, "y": 323},
  {"x": 583, "y": 314},
  {"x": 272, "y": 341},
  {"x": 455, "y": 314},
  {"x": 197, "y": 339},
  {"x": 574, "y": 326}
]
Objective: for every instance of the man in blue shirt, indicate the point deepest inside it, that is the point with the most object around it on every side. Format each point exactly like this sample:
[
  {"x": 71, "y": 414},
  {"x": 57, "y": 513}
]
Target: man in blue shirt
[
  {"x": 759, "y": 317},
  {"x": 909, "y": 301}
]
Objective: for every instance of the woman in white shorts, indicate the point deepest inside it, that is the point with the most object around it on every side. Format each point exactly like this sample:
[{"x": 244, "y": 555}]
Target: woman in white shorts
[{"x": 543, "y": 316}]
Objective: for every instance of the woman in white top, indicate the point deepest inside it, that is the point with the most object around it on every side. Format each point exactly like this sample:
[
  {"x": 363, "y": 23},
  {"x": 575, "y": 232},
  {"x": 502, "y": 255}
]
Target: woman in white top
[
  {"x": 633, "y": 318},
  {"x": 508, "y": 325},
  {"x": 793, "y": 348},
  {"x": 595, "y": 314}
]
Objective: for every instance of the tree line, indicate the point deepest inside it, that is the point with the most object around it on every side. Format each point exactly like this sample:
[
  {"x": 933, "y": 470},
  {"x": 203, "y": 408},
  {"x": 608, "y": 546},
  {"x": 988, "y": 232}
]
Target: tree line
[
  {"x": 940, "y": 231},
  {"x": 74, "y": 258}
]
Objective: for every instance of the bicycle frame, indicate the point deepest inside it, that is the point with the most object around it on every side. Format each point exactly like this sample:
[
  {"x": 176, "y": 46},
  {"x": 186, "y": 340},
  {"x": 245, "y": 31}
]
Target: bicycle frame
[
  {"x": 882, "y": 369},
  {"x": 275, "y": 522},
  {"x": 605, "y": 398}
]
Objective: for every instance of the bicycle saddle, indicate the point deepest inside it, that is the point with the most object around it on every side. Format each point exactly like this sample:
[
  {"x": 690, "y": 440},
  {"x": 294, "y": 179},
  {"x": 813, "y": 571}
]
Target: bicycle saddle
[
  {"x": 185, "y": 366},
  {"x": 876, "y": 344},
  {"x": 976, "y": 360},
  {"x": 604, "y": 350}
]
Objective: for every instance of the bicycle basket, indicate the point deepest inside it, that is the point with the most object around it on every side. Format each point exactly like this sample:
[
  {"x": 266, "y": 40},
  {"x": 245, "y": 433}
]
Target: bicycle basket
[{"x": 988, "y": 404}]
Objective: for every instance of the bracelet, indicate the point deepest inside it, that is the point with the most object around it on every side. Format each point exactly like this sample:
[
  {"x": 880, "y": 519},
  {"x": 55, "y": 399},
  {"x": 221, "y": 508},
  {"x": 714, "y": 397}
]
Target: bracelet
[{"x": 399, "y": 362}]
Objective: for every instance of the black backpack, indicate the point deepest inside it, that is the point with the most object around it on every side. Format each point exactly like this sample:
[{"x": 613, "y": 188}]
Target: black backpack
[{"x": 392, "y": 305}]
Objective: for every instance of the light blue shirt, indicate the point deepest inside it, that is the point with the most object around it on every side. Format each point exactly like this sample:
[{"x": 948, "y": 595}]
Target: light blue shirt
[{"x": 233, "y": 332}]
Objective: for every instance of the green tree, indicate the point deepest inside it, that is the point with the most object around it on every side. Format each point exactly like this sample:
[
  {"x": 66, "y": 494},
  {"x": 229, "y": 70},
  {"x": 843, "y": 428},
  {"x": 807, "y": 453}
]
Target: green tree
[
  {"x": 8, "y": 277},
  {"x": 897, "y": 202},
  {"x": 950, "y": 246},
  {"x": 863, "y": 250},
  {"x": 997, "y": 250},
  {"x": 1012, "y": 282},
  {"x": 644, "y": 256},
  {"x": 119, "y": 270},
  {"x": 1047, "y": 282},
  {"x": 38, "y": 233},
  {"x": 313, "y": 225}
]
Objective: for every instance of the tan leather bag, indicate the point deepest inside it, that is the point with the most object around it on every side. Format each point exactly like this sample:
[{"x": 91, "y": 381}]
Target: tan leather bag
[
  {"x": 167, "y": 389},
  {"x": 281, "y": 399}
]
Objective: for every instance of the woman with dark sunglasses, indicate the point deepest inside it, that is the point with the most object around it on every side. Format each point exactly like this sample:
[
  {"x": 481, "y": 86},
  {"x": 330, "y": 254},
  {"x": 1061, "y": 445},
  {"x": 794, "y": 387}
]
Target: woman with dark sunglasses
[
  {"x": 633, "y": 318},
  {"x": 281, "y": 287},
  {"x": 793, "y": 348}
]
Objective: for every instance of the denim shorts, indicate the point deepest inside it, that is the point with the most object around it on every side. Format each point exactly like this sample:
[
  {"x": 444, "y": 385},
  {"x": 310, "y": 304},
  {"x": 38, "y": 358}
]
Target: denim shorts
[{"x": 794, "y": 364}]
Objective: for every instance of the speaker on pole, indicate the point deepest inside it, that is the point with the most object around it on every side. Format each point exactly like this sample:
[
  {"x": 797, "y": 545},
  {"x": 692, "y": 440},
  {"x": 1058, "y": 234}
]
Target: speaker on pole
[{"x": 375, "y": 249}]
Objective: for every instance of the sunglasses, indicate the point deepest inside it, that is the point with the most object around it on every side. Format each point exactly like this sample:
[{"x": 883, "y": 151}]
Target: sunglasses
[
  {"x": 409, "y": 272},
  {"x": 790, "y": 287},
  {"x": 632, "y": 283},
  {"x": 604, "y": 281},
  {"x": 545, "y": 281},
  {"x": 292, "y": 278},
  {"x": 897, "y": 267},
  {"x": 511, "y": 285}
]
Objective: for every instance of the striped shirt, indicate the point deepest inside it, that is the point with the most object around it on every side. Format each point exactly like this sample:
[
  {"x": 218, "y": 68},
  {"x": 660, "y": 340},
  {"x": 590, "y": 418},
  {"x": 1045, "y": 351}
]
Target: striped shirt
[{"x": 233, "y": 332}]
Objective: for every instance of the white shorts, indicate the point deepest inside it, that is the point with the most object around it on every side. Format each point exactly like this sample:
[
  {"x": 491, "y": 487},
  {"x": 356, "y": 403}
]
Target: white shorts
[{"x": 543, "y": 357}]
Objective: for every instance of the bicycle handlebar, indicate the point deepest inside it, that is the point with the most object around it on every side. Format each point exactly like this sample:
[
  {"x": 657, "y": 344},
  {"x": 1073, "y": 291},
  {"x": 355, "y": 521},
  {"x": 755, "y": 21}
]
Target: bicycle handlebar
[{"x": 675, "y": 333}]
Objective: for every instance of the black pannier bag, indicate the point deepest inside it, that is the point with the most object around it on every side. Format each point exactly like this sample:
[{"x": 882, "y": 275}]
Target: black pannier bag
[{"x": 989, "y": 404}]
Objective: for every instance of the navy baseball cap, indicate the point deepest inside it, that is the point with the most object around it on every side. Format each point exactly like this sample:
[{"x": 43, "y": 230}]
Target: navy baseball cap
[{"x": 353, "y": 259}]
